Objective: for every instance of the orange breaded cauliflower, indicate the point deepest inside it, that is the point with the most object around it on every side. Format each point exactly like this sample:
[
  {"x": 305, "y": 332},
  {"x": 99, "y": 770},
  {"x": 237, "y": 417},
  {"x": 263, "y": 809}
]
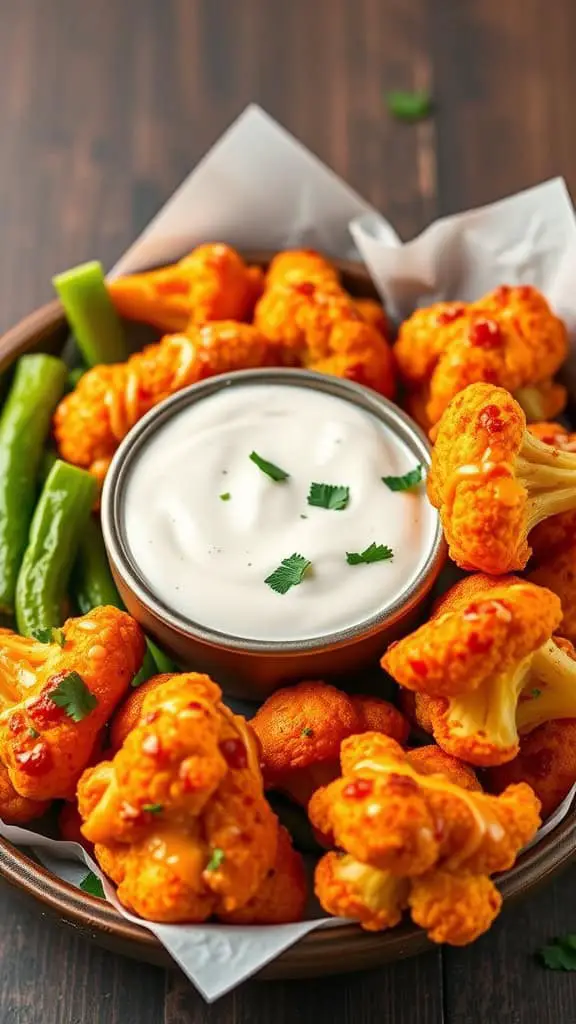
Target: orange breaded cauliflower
[
  {"x": 315, "y": 324},
  {"x": 493, "y": 482},
  {"x": 301, "y": 728},
  {"x": 129, "y": 713},
  {"x": 432, "y": 760},
  {"x": 553, "y": 542},
  {"x": 178, "y": 817},
  {"x": 510, "y": 337},
  {"x": 546, "y": 761},
  {"x": 415, "y": 840},
  {"x": 486, "y": 668},
  {"x": 92, "y": 420},
  {"x": 211, "y": 283},
  {"x": 374, "y": 313},
  {"x": 281, "y": 899},
  {"x": 16, "y": 809},
  {"x": 56, "y": 698}
]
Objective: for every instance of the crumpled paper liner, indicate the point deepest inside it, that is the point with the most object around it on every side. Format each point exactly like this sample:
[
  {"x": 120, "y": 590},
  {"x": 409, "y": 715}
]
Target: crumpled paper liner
[{"x": 260, "y": 188}]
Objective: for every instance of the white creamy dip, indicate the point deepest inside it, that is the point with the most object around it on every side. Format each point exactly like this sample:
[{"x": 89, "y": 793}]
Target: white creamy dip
[{"x": 207, "y": 557}]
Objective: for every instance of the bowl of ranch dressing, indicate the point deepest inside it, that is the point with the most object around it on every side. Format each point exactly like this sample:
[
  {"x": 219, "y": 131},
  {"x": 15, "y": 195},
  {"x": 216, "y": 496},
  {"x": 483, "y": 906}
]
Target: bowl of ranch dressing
[{"x": 272, "y": 525}]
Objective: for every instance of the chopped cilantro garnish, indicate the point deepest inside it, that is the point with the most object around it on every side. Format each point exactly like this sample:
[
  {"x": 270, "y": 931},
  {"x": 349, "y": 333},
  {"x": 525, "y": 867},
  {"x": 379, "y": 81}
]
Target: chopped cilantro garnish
[
  {"x": 307, "y": 731},
  {"x": 153, "y": 808},
  {"x": 49, "y": 635},
  {"x": 373, "y": 553},
  {"x": 289, "y": 573},
  {"x": 73, "y": 695},
  {"x": 226, "y": 496},
  {"x": 33, "y": 733},
  {"x": 329, "y": 496},
  {"x": 560, "y": 955},
  {"x": 404, "y": 483},
  {"x": 217, "y": 858},
  {"x": 409, "y": 106},
  {"x": 535, "y": 692},
  {"x": 274, "y": 472},
  {"x": 93, "y": 886}
]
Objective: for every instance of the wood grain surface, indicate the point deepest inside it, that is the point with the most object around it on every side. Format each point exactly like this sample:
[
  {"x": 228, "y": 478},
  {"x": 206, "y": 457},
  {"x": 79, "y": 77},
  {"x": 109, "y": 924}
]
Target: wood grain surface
[{"x": 104, "y": 107}]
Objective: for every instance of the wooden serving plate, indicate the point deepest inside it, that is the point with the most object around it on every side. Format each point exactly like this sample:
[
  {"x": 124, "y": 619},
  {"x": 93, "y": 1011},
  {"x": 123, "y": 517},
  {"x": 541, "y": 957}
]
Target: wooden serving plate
[{"x": 329, "y": 951}]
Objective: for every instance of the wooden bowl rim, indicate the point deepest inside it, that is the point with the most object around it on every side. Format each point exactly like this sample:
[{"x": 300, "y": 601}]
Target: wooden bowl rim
[{"x": 335, "y": 949}]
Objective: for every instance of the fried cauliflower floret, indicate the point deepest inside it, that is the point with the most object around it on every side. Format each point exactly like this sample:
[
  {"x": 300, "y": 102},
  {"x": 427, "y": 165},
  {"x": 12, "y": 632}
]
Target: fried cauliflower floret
[
  {"x": 374, "y": 313},
  {"x": 454, "y": 907},
  {"x": 493, "y": 482},
  {"x": 432, "y": 760},
  {"x": 347, "y": 888},
  {"x": 211, "y": 283},
  {"x": 317, "y": 326},
  {"x": 92, "y": 420},
  {"x": 509, "y": 337},
  {"x": 488, "y": 669},
  {"x": 55, "y": 698},
  {"x": 297, "y": 265},
  {"x": 281, "y": 898},
  {"x": 178, "y": 816},
  {"x": 70, "y": 824},
  {"x": 415, "y": 839},
  {"x": 16, "y": 809},
  {"x": 546, "y": 761},
  {"x": 300, "y": 729},
  {"x": 129, "y": 713}
]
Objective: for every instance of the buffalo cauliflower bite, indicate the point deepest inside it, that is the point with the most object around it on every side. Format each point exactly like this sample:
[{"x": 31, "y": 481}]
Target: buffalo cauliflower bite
[
  {"x": 315, "y": 324},
  {"x": 92, "y": 420},
  {"x": 509, "y": 337},
  {"x": 281, "y": 898},
  {"x": 178, "y": 817},
  {"x": 415, "y": 839},
  {"x": 553, "y": 542},
  {"x": 128, "y": 714},
  {"x": 56, "y": 698},
  {"x": 546, "y": 761},
  {"x": 432, "y": 760},
  {"x": 486, "y": 668},
  {"x": 300, "y": 729},
  {"x": 211, "y": 283},
  {"x": 16, "y": 809},
  {"x": 493, "y": 482}
]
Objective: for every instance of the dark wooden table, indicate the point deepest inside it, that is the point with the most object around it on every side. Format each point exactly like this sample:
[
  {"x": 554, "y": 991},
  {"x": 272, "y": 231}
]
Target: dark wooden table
[{"x": 104, "y": 107}]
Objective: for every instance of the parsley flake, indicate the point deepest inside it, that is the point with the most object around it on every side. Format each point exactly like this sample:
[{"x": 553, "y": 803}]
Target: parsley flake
[
  {"x": 307, "y": 731},
  {"x": 73, "y": 695},
  {"x": 406, "y": 105},
  {"x": 153, "y": 808},
  {"x": 274, "y": 472},
  {"x": 225, "y": 497},
  {"x": 535, "y": 693},
  {"x": 33, "y": 733},
  {"x": 93, "y": 886},
  {"x": 404, "y": 483},
  {"x": 217, "y": 858},
  {"x": 373, "y": 553},
  {"x": 561, "y": 954},
  {"x": 329, "y": 496},
  {"x": 49, "y": 635},
  {"x": 289, "y": 573}
]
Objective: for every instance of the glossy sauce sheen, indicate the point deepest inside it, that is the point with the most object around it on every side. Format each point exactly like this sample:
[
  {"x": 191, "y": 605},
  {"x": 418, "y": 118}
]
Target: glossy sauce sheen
[{"x": 207, "y": 558}]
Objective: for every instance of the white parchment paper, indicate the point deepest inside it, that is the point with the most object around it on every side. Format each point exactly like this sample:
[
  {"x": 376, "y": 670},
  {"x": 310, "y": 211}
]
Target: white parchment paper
[{"x": 260, "y": 188}]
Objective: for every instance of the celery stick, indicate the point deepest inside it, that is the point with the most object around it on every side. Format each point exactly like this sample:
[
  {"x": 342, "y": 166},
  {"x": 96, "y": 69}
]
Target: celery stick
[{"x": 91, "y": 314}]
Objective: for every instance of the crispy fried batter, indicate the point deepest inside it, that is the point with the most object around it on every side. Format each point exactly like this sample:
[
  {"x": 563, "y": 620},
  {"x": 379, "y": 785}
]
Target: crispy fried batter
[
  {"x": 127, "y": 716},
  {"x": 546, "y": 761},
  {"x": 510, "y": 338},
  {"x": 43, "y": 747},
  {"x": 493, "y": 482},
  {"x": 178, "y": 817},
  {"x": 432, "y": 760},
  {"x": 416, "y": 839},
  {"x": 486, "y": 668},
  {"x": 16, "y": 809},
  {"x": 211, "y": 283},
  {"x": 281, "y": 898},
  {"x": 300, "y": 729}
]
